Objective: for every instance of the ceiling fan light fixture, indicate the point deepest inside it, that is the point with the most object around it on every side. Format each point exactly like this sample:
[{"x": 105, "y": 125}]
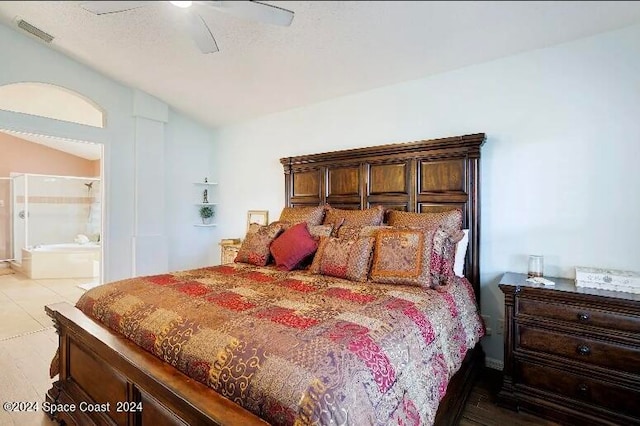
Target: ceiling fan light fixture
[
  {"x": 182, "y": 4},
  {"x": 197, "y": 27}
]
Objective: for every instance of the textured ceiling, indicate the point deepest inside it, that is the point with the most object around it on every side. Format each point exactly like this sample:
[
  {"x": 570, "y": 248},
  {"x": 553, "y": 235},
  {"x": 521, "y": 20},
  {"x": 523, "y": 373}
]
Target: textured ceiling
[{"x": 331, "y": 49}]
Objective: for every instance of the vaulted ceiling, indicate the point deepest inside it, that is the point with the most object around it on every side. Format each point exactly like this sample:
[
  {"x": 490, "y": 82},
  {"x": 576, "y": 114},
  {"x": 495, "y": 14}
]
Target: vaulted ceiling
[
  {"x": 331, "y": 49},
  {"x": 86, "y": 150}
]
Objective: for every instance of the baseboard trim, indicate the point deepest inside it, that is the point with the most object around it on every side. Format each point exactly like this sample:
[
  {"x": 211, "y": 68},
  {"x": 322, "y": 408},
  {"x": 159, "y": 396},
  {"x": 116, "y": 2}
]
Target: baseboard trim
[
  {"x": 16, "y": 266},
  {"x": 493, "y": 363}
]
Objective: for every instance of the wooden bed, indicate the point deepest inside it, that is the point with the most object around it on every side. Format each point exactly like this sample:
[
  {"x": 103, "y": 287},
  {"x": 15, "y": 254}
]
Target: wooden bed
[{"x": 99, "y": 366}]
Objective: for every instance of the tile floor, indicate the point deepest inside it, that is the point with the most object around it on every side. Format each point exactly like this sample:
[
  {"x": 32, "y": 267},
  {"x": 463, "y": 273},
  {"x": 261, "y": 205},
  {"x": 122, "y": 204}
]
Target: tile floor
[
  {"x": 22, "y": 302},
  {"x": 28, "y": 340},
  {"x": 24, "y": 375}
]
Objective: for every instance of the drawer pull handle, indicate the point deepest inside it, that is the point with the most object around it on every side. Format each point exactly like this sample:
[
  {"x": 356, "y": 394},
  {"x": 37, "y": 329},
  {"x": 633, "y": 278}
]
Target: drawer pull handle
[
  {"x": 583, "y": 388},
  {"x": 584, "y": 350},
  {"x": 583, "y": 316}
]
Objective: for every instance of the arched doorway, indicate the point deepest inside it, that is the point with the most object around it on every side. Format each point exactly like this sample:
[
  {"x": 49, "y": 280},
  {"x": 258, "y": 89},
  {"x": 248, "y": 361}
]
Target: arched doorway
[
  {"x": 50, "y": 101},
  {"x": 51, "y": 197}
]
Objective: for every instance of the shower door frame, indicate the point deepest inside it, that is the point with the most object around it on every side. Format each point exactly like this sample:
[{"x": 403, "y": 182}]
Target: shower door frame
[{"x": 9, "y": 203}]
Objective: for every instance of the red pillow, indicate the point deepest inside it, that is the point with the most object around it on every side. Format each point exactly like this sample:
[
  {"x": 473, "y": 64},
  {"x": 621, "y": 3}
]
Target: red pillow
[{"x": 293, "y": 246}]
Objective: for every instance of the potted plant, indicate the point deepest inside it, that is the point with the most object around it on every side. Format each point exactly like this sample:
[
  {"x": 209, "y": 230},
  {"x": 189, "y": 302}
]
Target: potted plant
[{"x": 206, "y": 213}]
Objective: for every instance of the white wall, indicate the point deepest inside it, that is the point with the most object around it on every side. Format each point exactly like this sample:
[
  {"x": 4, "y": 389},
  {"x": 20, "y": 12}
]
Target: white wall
[
  {"x": 560, "y": 173},
  {"x": 191, "y": 152},
  {"x": 127, "y": 136}
]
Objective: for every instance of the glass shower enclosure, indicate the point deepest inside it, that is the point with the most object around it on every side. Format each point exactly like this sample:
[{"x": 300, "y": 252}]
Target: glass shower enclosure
[{"x": 55, "y": 225}]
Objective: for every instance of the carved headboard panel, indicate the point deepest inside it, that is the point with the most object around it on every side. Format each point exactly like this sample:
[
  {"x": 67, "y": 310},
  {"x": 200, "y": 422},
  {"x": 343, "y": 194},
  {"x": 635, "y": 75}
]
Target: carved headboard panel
[{"x": 423, "y": 176}]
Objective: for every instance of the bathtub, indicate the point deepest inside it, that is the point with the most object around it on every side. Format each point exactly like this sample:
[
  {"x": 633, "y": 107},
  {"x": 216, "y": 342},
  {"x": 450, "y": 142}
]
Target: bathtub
[{"x": 61, "y": 261}]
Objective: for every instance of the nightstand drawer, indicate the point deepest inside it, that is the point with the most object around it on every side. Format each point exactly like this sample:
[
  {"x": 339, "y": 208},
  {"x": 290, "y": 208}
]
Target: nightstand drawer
[
  {"x": 581, "y": 388},
  {"x": 584, "y": 349},
  {"x": 571, "y": 354},
  {"x": 579, "y": 315}
]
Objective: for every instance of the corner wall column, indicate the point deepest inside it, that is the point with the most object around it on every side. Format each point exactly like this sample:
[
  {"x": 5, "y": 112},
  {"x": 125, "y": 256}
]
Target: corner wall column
[{"x": 150, "y": 246}]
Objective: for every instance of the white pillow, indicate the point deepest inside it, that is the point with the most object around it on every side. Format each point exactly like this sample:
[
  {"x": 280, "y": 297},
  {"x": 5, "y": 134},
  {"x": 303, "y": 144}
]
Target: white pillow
[{"x": 461, "y": 253}]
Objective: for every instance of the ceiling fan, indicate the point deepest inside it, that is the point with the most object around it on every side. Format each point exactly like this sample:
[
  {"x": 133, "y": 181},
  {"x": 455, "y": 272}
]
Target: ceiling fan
[{"x": 197, "y": 27}]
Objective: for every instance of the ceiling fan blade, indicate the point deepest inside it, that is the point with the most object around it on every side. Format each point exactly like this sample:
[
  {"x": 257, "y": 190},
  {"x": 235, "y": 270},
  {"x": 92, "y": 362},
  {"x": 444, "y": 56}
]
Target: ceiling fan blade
[
  {"x": 200, "y": 33},
  {"x": 104, "y": 7},
  {"x": 254, "y": 10}
]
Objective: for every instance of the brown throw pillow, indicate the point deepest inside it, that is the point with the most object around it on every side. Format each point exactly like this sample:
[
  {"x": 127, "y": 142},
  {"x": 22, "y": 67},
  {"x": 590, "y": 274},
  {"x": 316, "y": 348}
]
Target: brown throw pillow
[
  {"x": 372, "y": 216},
  {"x": 451, "y": 220},
  {"x": 311, "y": 215},
  {"x": 318, "y": 231},
  {"x": 418, "y": 256},
  {"x": 347, "y": 258},
  {"x": 444, "y": 255},
  {"x": 360, "y": 231},
  {"x": 255, "y": 247},
  {"x": 254, "y": 227}
]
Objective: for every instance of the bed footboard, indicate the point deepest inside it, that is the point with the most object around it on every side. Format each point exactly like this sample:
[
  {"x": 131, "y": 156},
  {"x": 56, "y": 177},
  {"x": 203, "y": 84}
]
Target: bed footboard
[{"x": 107, "y": 380}]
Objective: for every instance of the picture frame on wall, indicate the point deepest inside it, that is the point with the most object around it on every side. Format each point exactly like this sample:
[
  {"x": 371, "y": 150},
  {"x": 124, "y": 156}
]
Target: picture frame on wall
[{"x": 260, "y": 217}]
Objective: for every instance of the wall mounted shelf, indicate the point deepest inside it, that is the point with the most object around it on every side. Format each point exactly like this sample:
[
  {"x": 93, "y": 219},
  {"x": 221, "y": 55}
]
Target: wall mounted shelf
[{"x": 205, "y": 189}]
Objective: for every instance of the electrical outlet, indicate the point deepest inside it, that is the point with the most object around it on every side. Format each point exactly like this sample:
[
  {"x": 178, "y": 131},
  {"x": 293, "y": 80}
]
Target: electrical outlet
[
  {"x": 500, "y": 325},
  {"x": 1, "y": 203},
  {"x": 487, "y": 324}
]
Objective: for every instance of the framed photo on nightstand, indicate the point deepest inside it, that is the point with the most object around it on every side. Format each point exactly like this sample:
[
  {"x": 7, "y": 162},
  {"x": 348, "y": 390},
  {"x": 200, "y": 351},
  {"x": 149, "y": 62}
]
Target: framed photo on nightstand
[{"x": 261, "y": 217}]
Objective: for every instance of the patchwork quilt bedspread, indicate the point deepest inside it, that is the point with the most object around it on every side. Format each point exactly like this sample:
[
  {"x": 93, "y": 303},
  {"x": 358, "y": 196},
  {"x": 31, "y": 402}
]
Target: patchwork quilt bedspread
[{"x": 296, "y": 348}]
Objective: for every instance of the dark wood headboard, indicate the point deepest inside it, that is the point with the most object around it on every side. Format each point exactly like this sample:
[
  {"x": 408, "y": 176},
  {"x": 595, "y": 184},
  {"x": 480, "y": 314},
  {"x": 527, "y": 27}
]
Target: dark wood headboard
[{"x": 423, "y": 176}]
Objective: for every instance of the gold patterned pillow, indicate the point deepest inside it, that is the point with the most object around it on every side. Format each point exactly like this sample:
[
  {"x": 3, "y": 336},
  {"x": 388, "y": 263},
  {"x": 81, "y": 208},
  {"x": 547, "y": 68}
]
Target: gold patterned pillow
[
  {"x": 372, "y": 216},
  {"x": 255, "y": 247},
  {"x": 347, "y": 258},
  {"x": 449, "y": 219},
  {"x": 419, "y": 256},
  {"x": 311, "y": 215},
  {"x": 360, "y": 231},
  {"x": 445, "y": 247},
  {"x": 321, "y": 230},
  {"x": 254, "y": 227}
]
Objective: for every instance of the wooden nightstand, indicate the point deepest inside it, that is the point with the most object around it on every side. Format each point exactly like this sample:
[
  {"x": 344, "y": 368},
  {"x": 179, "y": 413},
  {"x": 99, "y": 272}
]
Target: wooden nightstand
[
  {"x": 228, "y": 252},
  {"x": 571, "y": 354}
]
